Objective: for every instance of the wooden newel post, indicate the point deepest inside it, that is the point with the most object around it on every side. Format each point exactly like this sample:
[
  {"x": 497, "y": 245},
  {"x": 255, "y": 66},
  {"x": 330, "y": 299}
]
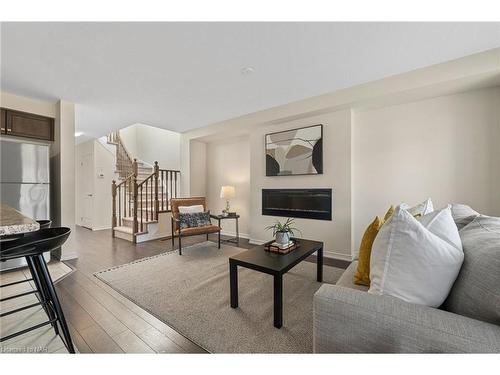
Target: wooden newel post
[
  {"x": 113, "y": 209},
  {"x": 135, "y": 190},
  {"x": 135, "y": 168},
  {"x": 157, "y": 203}
]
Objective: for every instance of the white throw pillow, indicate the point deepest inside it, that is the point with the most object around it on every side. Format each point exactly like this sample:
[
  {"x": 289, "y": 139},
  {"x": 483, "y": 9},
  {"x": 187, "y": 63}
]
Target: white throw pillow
[
  {"x": 421, "y": 209},
  {"x": 416, "y": 260},
  {"x": 191, "y": 209}
]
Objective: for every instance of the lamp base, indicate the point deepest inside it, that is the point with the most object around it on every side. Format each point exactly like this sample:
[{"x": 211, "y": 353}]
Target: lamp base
[{"x": 225, "y": 211}]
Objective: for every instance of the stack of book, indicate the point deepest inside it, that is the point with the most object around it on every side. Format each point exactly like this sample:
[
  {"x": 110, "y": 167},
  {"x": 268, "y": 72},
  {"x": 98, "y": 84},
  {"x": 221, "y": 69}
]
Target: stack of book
[{"x": 276, "y": 247}]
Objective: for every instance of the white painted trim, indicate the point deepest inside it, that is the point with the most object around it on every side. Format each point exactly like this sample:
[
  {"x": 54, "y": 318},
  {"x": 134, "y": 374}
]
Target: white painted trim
[
  {"x": 65, "y": 256},
  {"x": 335, "y": 255},
  {"x": 255, "y": 241},
  {"x": 233, "y": 234},
  {"x": 101, "y": 228}
]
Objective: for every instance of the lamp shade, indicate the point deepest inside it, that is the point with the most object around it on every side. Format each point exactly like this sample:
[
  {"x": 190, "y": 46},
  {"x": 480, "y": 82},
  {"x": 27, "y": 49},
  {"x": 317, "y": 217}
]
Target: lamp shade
[{"x": 227, "y": 192}]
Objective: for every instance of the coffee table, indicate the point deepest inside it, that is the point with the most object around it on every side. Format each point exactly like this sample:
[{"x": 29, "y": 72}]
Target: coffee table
[{"x": 276, "y": 265}]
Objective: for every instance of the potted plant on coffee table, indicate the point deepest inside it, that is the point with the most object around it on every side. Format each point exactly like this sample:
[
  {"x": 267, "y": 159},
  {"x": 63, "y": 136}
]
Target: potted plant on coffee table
[{"x": 283, "y": 231}]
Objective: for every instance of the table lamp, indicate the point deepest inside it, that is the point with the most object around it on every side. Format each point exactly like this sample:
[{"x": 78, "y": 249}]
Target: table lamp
[{"x": 226, "y": 192}]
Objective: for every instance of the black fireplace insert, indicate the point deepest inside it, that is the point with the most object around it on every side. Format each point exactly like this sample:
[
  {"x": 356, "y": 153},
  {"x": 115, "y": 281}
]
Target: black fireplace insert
[{"x": 302, "y": 203}]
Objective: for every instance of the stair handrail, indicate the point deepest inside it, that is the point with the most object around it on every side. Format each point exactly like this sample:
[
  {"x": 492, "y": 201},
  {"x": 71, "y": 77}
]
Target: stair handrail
[
  {"x": 133, "y": 202},
  {"x": 124, "y": 162}
]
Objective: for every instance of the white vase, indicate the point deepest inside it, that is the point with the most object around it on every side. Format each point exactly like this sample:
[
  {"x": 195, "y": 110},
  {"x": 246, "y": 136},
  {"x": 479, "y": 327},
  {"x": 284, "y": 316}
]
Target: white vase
[{"x": 282, "y": 238}]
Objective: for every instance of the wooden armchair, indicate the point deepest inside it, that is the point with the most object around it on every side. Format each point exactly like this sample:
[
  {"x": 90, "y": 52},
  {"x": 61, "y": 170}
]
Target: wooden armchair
[{"x": 186, "y": 232}]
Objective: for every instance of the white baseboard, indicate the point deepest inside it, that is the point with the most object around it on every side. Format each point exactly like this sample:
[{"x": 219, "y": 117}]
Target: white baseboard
[
  {"x": 101, "y": 228},
  {"x": 255, "y": 241},
  {"x": 233, "y": 234},
  {"x": 335, "y": 255}
]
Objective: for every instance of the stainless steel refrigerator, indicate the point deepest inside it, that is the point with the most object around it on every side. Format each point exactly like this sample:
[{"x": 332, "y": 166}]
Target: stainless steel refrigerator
[{"x": 25, "y": 182}]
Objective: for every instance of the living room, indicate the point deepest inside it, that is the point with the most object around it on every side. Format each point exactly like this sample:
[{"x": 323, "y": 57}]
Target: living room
[{"x": 250, "y": 188}]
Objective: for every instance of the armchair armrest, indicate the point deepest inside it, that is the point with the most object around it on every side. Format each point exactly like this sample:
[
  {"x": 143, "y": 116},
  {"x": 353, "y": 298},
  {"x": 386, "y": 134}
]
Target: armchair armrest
[{"x": 352, "y": 321}]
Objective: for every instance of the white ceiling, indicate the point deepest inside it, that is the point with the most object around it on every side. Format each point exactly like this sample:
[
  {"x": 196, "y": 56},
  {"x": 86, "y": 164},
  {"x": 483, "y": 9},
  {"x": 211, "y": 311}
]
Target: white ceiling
[{"x": 181, "y": 76}]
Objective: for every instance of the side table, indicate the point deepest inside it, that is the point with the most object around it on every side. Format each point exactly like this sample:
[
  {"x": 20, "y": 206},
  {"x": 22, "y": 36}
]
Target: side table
[{"x": 235, "y": 240}]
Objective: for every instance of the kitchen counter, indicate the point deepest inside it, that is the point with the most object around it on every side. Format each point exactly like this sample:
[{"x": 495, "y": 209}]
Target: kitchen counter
[{"x": 14, "y": 222}]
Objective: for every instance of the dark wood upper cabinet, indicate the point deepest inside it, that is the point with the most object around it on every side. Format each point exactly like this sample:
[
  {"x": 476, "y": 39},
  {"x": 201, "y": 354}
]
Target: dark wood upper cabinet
[
  {"x": 28, "y": 125},
  {"x": 3, "y": 120}
]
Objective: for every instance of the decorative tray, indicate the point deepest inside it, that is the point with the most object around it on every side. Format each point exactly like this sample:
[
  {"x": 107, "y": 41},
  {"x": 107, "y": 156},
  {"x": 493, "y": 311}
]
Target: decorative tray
[{"x": 273, "y": 247}]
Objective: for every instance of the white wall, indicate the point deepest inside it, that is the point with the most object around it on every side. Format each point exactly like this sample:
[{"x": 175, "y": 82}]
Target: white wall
[
  {"x": 197, "y": 170},
  {"x": 155, "y": 144},
  {"x": 103, "y": 162},
  {"x": 228, "y": 163},
  {"x": 128, "y": 136},
  {"x": 445, "y": 148},
  {"x": 150, "y": 144},
  {"x": 336, "y": 234}
]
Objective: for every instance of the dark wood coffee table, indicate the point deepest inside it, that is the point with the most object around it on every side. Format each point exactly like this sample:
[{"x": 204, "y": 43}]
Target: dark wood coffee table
[{"x": 276, "y": 265}]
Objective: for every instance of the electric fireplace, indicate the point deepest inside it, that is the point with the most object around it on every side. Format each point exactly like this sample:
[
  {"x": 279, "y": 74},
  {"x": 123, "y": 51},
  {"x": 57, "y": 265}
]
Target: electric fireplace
[{"x": 301, "y": 203}]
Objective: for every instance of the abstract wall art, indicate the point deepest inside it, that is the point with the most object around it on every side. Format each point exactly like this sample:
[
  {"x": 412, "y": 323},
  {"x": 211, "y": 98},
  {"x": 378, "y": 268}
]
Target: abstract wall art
[{"x": 295, "y": 152}]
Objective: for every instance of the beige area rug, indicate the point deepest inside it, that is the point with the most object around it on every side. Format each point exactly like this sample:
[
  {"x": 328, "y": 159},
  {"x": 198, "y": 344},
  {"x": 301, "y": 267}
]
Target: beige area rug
[{"x": 191, "y": 294}]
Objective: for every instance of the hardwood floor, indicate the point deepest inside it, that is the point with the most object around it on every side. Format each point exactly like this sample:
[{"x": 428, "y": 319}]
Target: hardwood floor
[{"x": 103, "y": 321}]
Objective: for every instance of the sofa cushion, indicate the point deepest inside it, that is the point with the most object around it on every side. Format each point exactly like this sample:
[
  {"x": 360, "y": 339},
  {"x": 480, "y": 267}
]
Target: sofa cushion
[
  {"x": 462, "y": 214},
  {"x": 476, "y": 292},
  {"x": 421, "y": 209},
  {"x": 362, "y": 274},
  {"x": 417, "y": 261},
  {"x": 346, "y": 280}
]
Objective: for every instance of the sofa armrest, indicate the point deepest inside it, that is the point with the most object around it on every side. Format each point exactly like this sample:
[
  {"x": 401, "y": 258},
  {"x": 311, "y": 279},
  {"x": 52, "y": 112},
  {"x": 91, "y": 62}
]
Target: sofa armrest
[{"x": 352, "y": 321}]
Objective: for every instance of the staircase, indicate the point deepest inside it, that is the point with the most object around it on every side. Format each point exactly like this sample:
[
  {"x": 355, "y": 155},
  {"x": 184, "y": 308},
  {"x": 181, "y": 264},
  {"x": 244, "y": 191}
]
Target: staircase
[{"x": 141, "y": 195}]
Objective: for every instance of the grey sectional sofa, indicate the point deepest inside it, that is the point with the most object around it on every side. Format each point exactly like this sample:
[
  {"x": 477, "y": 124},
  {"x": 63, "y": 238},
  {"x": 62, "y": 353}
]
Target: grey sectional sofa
[{"x": 347, "y": 319}]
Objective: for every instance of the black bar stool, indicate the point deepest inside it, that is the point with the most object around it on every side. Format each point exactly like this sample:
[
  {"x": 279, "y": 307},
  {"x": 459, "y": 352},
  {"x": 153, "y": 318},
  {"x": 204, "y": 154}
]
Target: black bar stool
[
  {"x": 32, "y": 246},
  {"x": 44, "y": 224}
]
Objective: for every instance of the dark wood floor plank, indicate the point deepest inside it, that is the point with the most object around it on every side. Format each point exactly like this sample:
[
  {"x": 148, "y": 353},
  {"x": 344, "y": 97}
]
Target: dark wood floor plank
[
  {"x": 159, "y": 342},
  {"x": 99, "y": 341},
  {"x": 118, "y": 309},
  {"x": 130, "y": 343},
  {"x": 101, "y": 319},
  {"x": 78, "y": 340},
  {"x": 98, "y": 312},
  {"x": 73, "y": 312}
]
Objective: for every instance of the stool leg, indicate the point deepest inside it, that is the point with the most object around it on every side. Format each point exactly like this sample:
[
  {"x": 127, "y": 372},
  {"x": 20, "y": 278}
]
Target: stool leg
[
  {"x": 40, "y": 261},
  {"x": 42, "y": 291},
  {"x": 180, "y": 245}
]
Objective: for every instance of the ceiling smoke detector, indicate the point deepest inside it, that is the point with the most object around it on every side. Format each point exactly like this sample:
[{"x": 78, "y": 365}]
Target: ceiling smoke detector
[{"x": 247, "y": 70}]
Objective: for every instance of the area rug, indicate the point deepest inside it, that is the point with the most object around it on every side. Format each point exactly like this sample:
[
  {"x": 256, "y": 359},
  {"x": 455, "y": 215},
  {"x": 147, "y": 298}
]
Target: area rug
[{"x": 190, "y": 293}]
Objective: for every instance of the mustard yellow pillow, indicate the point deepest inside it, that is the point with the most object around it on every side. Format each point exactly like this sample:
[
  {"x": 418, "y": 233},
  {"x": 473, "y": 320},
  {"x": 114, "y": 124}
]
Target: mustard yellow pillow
[
  {"x": 389, "y": 213},
  {"x": 362, "y": 274}
]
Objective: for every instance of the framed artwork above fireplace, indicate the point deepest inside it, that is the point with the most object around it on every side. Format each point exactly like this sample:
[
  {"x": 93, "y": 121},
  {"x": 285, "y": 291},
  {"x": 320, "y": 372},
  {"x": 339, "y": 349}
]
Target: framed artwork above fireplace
[{"x": 295, "y": 152}]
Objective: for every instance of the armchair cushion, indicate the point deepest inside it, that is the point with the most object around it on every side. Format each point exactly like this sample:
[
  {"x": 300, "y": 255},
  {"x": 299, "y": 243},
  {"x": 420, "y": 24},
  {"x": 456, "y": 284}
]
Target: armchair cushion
[{"x": 198, "y": 230}]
